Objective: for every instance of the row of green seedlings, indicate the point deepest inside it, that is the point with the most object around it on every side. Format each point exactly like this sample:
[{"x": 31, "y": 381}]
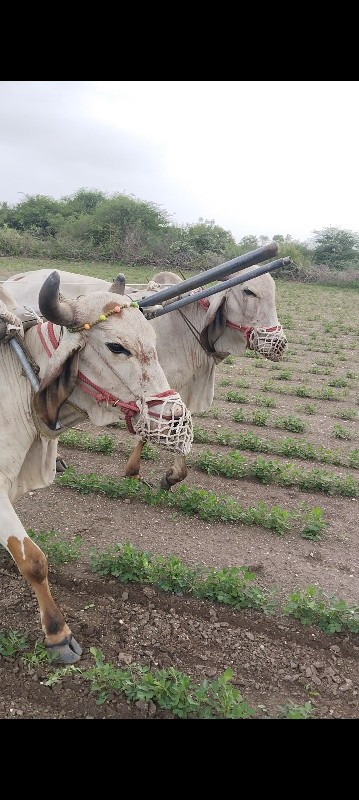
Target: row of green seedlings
[
  {"x": 303, "y": 391},
  {"x": 286, "y": 447},
  {"x": 267, "y": 471},
  {"x": 295, "y": 356},
  {"x": 287, "y": 375},
  {"x": 231, "y": 586},
  {"x": 269, "y": 402},
  {"x": 206, "y": 505},
  {"x": 311, "y": 346},
  {"x": 169, "y": 689},
  {"x": 290, "y": 423}
]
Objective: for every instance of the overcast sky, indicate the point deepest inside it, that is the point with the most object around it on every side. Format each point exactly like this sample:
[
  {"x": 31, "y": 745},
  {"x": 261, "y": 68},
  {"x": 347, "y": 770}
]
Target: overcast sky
[{"x": 261, "y": 157}]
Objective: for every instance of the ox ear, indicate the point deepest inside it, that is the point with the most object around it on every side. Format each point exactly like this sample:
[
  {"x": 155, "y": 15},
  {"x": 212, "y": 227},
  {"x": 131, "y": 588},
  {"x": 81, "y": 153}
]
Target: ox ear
[
  {"x": 59, "y": 380},
  {"x": 215, "y": 323}
]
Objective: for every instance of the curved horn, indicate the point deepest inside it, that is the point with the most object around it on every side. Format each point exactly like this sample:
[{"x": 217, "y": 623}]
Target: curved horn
[
  {"x": 50, "y": 306},
  {"x": 118, "y": 285}
]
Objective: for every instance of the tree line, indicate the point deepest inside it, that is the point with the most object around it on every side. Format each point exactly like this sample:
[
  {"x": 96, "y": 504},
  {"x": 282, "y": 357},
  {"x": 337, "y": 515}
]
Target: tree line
[{"x": 91, "y": 225}]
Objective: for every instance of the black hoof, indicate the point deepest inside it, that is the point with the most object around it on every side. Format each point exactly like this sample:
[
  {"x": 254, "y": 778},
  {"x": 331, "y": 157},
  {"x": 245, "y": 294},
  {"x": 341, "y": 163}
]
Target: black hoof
[
  {"x": 165, "y": 484},
  {"x": 61, "y": 465},
  {"x": 66, "y": 652}
]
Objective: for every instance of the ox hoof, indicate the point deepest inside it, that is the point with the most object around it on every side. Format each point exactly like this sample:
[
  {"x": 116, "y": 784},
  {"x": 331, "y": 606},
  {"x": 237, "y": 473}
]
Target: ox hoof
[
  {"x": 66, "y": 652},
  {"x": 61, "y": 465},
  {"x": 165, "y": 483}
]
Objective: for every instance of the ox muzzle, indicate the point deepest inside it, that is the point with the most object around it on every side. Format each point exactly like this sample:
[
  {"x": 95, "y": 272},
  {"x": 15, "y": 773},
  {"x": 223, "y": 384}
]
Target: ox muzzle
[{"x": 167, "y": 423}]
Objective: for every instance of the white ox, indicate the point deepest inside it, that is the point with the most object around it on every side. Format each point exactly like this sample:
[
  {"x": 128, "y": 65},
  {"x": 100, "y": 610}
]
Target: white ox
[
  {"x": 96, "y": 359},
  {"x": 189, "y": 342}
]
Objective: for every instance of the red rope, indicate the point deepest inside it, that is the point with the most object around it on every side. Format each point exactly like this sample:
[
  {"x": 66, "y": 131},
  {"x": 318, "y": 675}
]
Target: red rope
[
  {"x": 246, "y": 329},
  {"x": 52, "y": 337},
  {"x": 43, "y": 340}
]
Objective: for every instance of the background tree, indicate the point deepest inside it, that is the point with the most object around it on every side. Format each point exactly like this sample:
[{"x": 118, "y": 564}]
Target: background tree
[{"x": 337, "y": 247}]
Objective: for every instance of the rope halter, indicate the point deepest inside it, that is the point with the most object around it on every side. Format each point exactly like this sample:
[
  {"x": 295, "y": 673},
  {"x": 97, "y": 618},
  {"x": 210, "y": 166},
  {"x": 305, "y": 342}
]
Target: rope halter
[{"x": 268, "y": 342}]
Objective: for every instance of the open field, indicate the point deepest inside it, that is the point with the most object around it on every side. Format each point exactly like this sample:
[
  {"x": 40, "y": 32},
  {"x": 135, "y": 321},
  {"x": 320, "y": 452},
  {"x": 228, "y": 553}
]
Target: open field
[{"x": 277, "y": 462}]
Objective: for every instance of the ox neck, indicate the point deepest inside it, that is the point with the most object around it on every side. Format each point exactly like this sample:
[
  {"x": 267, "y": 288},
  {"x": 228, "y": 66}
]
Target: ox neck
[{"x": 192, "y": 356}]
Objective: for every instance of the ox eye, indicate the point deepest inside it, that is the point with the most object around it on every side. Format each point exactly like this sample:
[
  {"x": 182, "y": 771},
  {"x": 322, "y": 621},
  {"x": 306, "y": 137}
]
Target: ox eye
[
  {"x": 118, "y": 349},
  {"x": 249, "y": 293}
]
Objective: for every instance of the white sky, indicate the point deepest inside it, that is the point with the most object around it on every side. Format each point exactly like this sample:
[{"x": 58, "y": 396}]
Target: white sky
[{"x": 261, "y": 157}]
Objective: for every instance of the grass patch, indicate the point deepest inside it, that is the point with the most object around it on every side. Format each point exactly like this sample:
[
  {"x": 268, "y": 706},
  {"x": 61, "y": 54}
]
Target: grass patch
[
  {"x": 328, "y": 613},
  {"x": 234, "y": 465},
  {"x": 287, "y": 447},
  {"x": 341, "y": 433},
  {"x": 260, "y": 418},
  {"x": 239, "y": 415},
  {"x": 169, "y": 689},
  {"x": 308, "y": 408},
  {"x": 314, "y": 524},
  {"x": 347, "y": 413},
  {"x": 267, "y": 402},
  {"x": 56, "y": 549},
  {"x": 338, "y": 383},
  {"x": 290, "y": 423},
  {"x": 149, "y": 453},
  {"x": 237, "y": 397},
  {"x": 12, "y": 643},
  {"x": 242, "y": 383},
  {"x": 230, "y": 585},
  {"x": 83, "y": 441},
  {"x": 283, "y": 375},
  {"x": 292, "y": 711},
  {"x": 198, "y": 502}
]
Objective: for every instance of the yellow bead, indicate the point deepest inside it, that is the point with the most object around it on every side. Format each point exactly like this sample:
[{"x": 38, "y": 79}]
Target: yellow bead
[
  {"x": 87, "y": 326},
  {"x": 102, "y": 318}
]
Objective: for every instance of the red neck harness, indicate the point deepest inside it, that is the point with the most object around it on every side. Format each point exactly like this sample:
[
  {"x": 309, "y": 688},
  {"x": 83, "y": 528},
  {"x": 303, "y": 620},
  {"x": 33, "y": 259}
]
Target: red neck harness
[{"x": 246, "y": 329}]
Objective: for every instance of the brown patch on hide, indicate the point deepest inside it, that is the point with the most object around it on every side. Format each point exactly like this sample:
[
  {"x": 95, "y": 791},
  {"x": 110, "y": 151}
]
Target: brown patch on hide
[
  {"x": 143, "y": 357},
  {"x": 110, "y": 306}
]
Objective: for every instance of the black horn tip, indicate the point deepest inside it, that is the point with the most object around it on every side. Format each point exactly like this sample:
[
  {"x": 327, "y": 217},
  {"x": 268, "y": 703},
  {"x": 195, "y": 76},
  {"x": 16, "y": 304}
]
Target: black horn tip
[
  {"x": 49, "y": 287},
  {"x": 49, "y": 301},
  {"x": 53, "y": 280}
]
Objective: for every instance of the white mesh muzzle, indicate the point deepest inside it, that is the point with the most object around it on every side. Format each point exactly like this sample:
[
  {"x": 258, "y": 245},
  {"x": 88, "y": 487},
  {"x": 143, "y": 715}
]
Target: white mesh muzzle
[
  {"x": 270, "y": 344},
  {"x": 162, "y": 427}
]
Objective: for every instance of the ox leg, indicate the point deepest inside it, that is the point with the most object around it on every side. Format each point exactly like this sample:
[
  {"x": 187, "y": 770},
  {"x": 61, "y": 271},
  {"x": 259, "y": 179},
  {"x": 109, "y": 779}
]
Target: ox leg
[
  {"x": 134, "y": 462},
  {"x": 32, "y": 564},
  {"x": 177, "y": 473}
]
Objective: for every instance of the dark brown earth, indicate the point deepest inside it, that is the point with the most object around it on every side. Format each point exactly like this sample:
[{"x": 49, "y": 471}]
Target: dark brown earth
[{"x": 275, "y": 660}]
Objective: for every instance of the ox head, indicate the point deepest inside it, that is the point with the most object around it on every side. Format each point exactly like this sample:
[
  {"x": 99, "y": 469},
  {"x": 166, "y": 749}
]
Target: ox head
[
  {"x": 107, "y": 362},
  {"x": 245, "y": 316}
]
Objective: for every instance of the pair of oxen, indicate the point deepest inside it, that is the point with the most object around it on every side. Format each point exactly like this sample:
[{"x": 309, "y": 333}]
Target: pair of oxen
[{"x": 102, "y": 352}]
